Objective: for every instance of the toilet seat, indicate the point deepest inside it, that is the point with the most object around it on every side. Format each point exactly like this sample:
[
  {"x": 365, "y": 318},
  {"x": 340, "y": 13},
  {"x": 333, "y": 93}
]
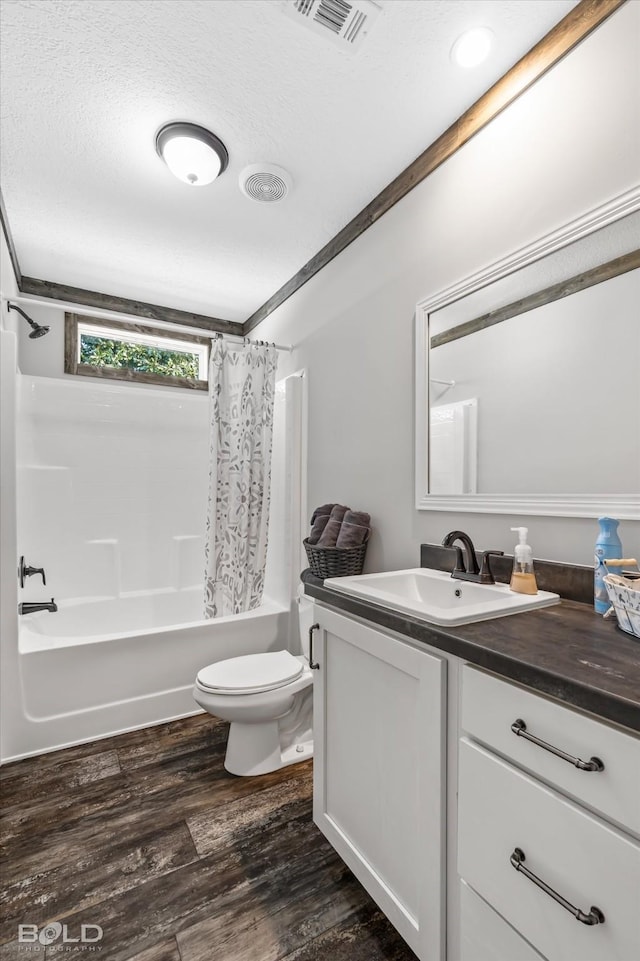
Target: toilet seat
[{"x": 250, "y": 673}]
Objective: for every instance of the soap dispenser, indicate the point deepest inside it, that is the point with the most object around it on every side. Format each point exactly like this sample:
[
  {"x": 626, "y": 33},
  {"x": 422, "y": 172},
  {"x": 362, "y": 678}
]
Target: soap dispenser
[{"x": 523, "y": 580}]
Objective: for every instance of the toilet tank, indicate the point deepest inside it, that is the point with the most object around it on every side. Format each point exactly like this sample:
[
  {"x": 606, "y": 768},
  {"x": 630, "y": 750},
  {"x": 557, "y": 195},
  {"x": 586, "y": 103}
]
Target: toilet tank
[{"x": 305, "y": 618}]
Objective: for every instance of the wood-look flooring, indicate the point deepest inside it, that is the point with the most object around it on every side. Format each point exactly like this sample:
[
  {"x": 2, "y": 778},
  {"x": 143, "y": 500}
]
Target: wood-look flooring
[{"x": 147, "y": 836}]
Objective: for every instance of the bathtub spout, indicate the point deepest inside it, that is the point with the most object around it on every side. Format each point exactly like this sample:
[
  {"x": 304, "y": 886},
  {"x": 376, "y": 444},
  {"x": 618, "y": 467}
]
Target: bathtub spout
[{"x": 30, "y": 607}]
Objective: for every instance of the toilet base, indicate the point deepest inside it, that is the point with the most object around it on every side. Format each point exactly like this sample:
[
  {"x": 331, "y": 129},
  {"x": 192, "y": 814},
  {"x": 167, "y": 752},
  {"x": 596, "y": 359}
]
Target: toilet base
[{"x": 256, "y": 749}]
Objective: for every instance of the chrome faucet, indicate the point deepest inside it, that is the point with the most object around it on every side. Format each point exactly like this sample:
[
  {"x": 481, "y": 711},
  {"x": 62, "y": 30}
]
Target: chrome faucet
[
  {"x": 30, "y": 607},
  {"x": 470, "y": 571}
]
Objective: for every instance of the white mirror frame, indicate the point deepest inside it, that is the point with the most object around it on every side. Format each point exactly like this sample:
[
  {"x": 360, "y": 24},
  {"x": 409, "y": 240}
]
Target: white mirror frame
[{"x": 624, "y": 507}]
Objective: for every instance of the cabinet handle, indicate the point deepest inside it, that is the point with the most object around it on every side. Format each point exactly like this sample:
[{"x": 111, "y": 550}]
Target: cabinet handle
[
  {"x": 313, "y": 664},
  {"x": 594, "y": 764},
  {"x": 595, "y": 915}
]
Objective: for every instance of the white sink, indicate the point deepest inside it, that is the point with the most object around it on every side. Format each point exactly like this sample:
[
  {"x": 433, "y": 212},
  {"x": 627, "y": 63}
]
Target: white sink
[{"x": 437, "y": 598}]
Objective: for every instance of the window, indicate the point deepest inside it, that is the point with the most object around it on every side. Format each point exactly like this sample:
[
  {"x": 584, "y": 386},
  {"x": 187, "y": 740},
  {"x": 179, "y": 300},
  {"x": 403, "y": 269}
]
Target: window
[{"x": 134, "y": 352}]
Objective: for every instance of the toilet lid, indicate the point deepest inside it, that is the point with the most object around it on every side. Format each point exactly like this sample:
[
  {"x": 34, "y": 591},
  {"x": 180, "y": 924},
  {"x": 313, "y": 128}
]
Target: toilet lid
[{"x": 250, "y": 673}]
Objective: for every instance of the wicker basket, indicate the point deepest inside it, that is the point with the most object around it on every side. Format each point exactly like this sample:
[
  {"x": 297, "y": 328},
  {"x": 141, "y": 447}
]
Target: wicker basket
[
  {"x": 626, "y": 602},
  {"x": 335, "y": 561}
]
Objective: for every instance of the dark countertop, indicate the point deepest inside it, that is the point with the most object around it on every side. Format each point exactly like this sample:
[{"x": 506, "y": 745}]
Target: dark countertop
[{"x": 566, "y": 651}]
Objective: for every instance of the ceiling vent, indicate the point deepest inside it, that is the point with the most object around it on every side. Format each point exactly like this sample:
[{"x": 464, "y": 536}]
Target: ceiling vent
[
  {"x": 265, "y": 183},
  {"x": 345, "y": 22}
]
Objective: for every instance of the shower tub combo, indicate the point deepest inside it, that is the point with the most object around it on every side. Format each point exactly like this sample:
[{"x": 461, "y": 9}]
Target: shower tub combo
[{"x": 112, "y": 485}]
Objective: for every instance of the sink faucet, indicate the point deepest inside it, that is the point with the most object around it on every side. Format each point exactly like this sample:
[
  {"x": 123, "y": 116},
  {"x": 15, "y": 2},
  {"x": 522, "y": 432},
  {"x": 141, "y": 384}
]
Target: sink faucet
[
  {"x": 30, "y": 607},
  {"x": 470, "y": 571}
]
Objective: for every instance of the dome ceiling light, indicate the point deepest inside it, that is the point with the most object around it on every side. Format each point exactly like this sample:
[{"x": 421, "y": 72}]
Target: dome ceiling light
[
  {"x": 192, "y": 153},
  {"x": 472, "y": 47}
]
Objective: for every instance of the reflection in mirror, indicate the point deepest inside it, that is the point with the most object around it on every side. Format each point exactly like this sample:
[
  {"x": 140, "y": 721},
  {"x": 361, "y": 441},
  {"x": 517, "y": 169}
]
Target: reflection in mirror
[{"x": 528, "y": 379}]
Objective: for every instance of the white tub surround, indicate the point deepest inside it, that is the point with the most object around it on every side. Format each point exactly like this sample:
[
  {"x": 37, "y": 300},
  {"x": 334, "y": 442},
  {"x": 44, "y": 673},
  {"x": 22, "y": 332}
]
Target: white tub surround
[{"x": 111, "y": 502}]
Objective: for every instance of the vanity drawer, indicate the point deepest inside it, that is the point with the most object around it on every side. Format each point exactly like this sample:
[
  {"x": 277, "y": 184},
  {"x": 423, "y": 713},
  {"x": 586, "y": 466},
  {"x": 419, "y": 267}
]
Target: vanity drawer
[
  {"x": 490, "y": 706},
  {"x": 485, "y": 936},
  {"x": 587, "y": 862}
]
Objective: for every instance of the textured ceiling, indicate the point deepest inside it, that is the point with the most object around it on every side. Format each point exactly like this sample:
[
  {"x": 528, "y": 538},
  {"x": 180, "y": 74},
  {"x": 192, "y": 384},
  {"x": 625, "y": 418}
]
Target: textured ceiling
[{"x": 87, "y": 83}]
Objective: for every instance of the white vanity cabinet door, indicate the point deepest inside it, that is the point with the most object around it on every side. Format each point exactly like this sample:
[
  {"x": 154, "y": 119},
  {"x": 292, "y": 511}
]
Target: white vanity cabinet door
[
  {"x": 379, "y": 770},
  {"x": 585, "y": 860},
  {"x": 485, "y": 936},
  {"x": 490, "y": 706}
]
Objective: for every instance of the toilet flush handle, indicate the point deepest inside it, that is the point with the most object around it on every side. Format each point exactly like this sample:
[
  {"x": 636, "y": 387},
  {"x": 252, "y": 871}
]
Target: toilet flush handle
[{"x": 313, "y": 664}]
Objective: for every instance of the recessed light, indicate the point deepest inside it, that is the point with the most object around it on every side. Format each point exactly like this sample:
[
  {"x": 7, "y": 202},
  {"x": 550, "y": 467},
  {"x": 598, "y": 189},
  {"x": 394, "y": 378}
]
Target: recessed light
[
  {"x": 472, "y": 47},
  {"x": 193, "y": 154}
]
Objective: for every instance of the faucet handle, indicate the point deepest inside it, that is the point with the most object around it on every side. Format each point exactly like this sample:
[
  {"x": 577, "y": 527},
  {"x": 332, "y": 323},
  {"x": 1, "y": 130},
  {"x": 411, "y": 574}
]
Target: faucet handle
[
  {"x": 486, "y": 574},
  {"x": 25, "y": 571}
]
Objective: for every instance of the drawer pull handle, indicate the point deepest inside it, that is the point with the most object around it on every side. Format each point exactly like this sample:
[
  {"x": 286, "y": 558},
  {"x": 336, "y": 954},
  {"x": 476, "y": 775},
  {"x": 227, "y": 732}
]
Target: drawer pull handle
[
  {"x": 313, "y": 664},
  {"x": 595, "y": 915},
  {"x": 594, "y": 764}
]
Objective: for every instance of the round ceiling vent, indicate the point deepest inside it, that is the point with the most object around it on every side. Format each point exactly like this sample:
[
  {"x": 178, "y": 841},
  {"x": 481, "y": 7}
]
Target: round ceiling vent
[{"x": 265, "y": 183}]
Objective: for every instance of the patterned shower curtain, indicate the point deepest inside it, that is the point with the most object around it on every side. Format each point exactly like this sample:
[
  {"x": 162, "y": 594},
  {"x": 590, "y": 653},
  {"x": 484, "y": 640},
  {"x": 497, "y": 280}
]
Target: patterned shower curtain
[{"x": 241, "y": 393}]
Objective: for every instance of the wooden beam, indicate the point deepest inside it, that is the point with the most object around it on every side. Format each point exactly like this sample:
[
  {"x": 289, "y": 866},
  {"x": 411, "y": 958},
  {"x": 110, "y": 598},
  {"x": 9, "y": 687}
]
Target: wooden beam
[
  {"x": 596, "y": 275},
  {"x": 578, "y": 24},
  {"x": 136, "y": 308},
  {"x": 9, "y": 239}
]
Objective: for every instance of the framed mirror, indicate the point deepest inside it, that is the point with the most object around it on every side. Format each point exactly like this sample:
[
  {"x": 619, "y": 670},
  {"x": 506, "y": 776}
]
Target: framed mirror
[{"x": 528, "y": 377}]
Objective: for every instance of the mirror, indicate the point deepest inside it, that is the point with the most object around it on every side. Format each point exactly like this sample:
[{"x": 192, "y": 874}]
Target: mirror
[{"x": 528, "y": 377}]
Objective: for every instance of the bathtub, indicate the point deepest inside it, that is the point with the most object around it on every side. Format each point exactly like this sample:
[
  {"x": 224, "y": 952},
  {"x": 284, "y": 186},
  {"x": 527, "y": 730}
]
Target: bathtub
[
  {"x": 101, "y": 666},
  {"x": 97, "y": 465}
]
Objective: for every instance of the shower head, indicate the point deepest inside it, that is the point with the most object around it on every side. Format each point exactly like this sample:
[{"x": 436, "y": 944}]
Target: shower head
[{"x": 38, "y": 330}]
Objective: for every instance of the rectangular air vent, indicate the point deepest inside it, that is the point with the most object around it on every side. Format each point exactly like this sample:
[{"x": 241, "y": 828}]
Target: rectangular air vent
[{"x": 345, "y": 22}]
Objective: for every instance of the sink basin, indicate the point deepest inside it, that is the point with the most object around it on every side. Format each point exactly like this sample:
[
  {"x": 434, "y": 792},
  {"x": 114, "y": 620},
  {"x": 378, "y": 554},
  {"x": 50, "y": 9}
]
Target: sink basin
[{"x": 437, "y": 598}]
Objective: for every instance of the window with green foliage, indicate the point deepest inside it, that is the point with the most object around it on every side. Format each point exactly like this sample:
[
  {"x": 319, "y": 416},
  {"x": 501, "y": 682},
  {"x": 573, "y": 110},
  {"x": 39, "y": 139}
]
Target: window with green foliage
[
  {"x": 134, "y": 352},
  {"x": 105, "y": 352}
]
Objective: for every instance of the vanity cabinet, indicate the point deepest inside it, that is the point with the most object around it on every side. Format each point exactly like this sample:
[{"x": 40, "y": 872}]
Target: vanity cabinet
[
  {"x": 379, "y": 779},
  {"x": 523, "y": 808},
  {"x": 431, "y": 783}
]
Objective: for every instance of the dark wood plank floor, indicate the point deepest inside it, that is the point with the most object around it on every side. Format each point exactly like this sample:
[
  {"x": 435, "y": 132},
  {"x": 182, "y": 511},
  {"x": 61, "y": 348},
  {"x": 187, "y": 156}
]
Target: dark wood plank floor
[{"x": 147, "y": 836}]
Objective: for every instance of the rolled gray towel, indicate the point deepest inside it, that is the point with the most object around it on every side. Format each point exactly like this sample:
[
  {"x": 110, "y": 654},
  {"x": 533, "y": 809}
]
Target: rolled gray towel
[
  {"x": 357, "y": 517},
  {"x": 338, "y": 511},
  {"x": 325, "y": 509},
  {"x": 319, "y": 525},
  {"x": 351, "y": 535},
  {"x": 330, "y": 533}
]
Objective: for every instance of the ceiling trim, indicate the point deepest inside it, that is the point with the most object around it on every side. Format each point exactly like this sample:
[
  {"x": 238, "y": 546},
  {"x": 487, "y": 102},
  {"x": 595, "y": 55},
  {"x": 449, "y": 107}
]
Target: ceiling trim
[
  {"x": 570, "y": 31},
  {"x": 122, "y": 305},
  {"x": 13, "y": 256}
]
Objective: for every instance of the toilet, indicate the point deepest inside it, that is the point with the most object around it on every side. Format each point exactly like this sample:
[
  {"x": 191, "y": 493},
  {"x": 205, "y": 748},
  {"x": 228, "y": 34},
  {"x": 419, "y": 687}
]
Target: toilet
[{"x": 268, "y": 700}]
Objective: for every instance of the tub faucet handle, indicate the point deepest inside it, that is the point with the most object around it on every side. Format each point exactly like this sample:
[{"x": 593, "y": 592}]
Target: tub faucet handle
[{"x": 26, "y": 571}]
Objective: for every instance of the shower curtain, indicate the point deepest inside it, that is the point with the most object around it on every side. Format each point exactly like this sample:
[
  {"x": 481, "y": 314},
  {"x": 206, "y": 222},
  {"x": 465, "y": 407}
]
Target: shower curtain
[{"x": 241, "y": 393}]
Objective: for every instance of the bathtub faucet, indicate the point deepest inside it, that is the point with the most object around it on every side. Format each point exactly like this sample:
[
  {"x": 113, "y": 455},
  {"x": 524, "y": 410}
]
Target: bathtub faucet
[{"x": 30, "y": 607}]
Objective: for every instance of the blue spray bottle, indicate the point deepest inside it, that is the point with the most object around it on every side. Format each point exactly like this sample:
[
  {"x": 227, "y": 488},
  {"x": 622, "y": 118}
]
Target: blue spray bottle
[{"x": 607, "y": 545}]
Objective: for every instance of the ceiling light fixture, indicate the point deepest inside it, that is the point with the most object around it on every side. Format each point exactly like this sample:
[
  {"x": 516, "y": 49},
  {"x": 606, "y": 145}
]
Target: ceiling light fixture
[
  {"x": 192, "y": 153},
  {"x": 472, "y": 47}
]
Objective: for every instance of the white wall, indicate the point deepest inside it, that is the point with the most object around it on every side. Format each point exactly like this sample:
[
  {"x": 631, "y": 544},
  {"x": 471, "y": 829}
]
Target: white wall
[
  {"x": 9, "y": 688},
  {"x": 567, "y": 145}
]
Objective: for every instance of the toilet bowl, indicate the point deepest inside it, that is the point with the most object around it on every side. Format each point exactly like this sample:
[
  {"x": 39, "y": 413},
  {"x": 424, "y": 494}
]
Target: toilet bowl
[{"x": 267, "y": 698}]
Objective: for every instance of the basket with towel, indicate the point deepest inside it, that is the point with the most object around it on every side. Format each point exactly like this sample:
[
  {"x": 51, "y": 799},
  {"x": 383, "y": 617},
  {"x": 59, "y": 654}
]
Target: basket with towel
[
  {"x": 337, "y": 543},
  {"x": 624, "y": 594}
]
